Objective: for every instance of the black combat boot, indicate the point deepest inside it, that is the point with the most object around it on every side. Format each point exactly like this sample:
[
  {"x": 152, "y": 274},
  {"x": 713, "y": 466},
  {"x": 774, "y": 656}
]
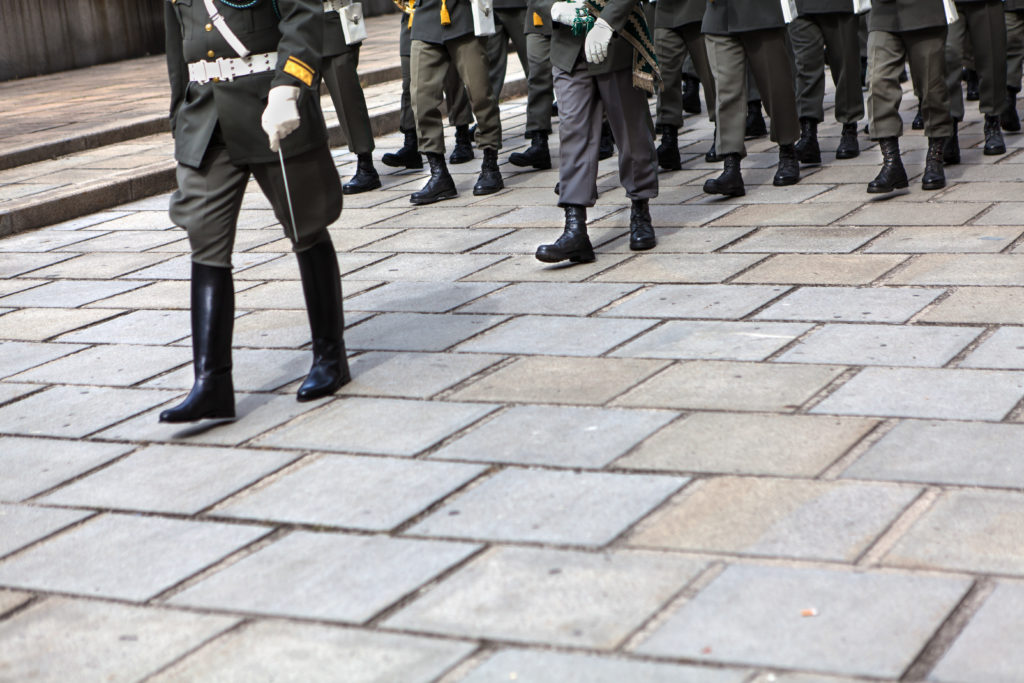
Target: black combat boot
[
  {"x": 536, "y": 155},
  {"x": 489, "y": 180},
  {"x": 213, "y": 321},
  {"x": 756, "y": 127},
  {"x": 607, "y": 145},
  {"x": 463, "y": 150},
  {"x": 892, "y": 176},
  {"x": 918, "y": 122},
  {"x": 993, "y": 136},
  {"x": 1009, "y": 119},
  {"x": 573, "y": 244},
  {"x": 408, "y": 156},
  {"x": 668, "y": 150},
  {"x": 711, "y": 156},
  {"x": 848, "y": 147},
  {"x": 321, "y": 285},
  {"x": 440, "y": 184},
  {"x": 971, "y": 77},
  {"x": 951, "y": 151},
  {"x": 730, "y": 183},
  {"x": 807, "y": 149},
  {"x": 641, "y": 232},
  {"x": 788, "y": 172},
  {"x": 934, "y": 177},
  {"x": 366, "y": 177},
  {"x": 691, "y": 94}
]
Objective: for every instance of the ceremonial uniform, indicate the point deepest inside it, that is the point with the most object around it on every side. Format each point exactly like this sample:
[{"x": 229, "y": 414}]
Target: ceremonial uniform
[
  {"x": 540, "y": 97},
  {"x": 1014, "y": 59},
  {"x": 742, "y": 33},
  {"x": 224, "y": 112}
]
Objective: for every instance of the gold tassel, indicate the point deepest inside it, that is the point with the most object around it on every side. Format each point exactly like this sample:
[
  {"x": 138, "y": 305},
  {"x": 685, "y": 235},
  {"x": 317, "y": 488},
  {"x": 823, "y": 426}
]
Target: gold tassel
[
  {"x": 446, "y": 19},
  {"x": 537, "y": 21},
  {"x": 412, "y": 6}
]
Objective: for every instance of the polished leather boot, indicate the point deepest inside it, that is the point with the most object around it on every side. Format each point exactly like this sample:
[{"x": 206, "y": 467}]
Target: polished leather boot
[
  {"x": 536, "y": 155},
  {"x": 951, "y": 151},
  {"x": 711, "y": 156},
  {"x": 934, "y": 177},
  {"x": 440, "y": 184},
  {"x": 892, "y": 176},
  {"x": 366, "y": 177},
  {"x": 756, "y": 127},
  {"x": 807, "y": 149},
  {"x": 1009, "y": 118},
  {"x": 918, "y": 122},
  {"x": 641, "y": 232},
  {"x": 407, "y": 156},
  {"x": 607, "y": 145},
  {"x": 691, "y": 94},
  {"x": 848, "y": 147},
  {"x": 788, "y": 172},
  {"x": 730, "y": 183},
  {"x": 668, "y": 150},
  {"x": 573, "y": 244},
  {"x": 321, "y": 286},
  {"x": 993, "y": 136},
  {"x": 489, "y": 180},
  {"x": 213, "y": 320},
  {"x": 973, "y": 93},
  {"x": 463, "y": 150}
]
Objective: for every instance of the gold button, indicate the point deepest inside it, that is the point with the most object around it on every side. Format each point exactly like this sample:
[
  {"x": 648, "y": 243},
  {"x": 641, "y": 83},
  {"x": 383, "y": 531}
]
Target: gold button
[
  {"x": 209, "y": 27},
  {"x": 211, "y": 54}
]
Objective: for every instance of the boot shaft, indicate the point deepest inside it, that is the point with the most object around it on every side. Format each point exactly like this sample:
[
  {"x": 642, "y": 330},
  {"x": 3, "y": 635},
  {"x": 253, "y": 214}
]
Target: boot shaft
[
  {"x": 575, "y": 218},
  {"x": 490, "y": 161}
]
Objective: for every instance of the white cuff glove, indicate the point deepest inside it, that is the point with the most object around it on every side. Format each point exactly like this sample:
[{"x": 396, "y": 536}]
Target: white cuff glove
[
  {"x": 281, "y": 116},
  {"x": 596, "y": 46},
  {"x": 565, "y": 12}
]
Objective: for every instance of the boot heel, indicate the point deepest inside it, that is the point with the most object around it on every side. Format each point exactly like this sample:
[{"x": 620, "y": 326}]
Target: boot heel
[{"x": 583, "y": 256}]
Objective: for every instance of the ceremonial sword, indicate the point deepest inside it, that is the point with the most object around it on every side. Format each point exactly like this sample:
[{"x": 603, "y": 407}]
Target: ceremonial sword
[{"x": 288, "y": 195}]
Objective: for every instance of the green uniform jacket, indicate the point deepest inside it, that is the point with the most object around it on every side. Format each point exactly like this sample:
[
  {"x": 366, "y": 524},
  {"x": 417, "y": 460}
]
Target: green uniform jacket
[
  {"x": 895, "y": 16},
  {"x": 334, "y": 37},
  {"x": 426, "y": 21},
  {"x": 725, "y": 17},
  {"x": 509, "y": 4},
  {"x": 824, "y": 6},
  {"x": 237, "y": 106},
  {"x": 566, "y": 48},
  {"x": 673, "y": 13}
]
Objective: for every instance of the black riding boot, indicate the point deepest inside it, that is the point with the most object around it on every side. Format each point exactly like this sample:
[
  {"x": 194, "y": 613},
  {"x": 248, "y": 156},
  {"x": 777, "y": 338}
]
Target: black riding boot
[
  {"x": 951, "y": 151},
  {"x": 668, "y": 150},
  {"x": 934, "y": 177},
  {"x": 463, "y": 150},
  {"x": 993, "y": 136},
  {"x": 536, "y": 155},
  {"x": 848, "y": 147},
  {"x": 691, "y": 94},
  {"x": 489, "y": 180},
  {"x": 788, "y": 172},
  {"x": 730, "y": 183},
  {"x": 213, "y": 320},
  {"x": 321, "y": 286},
  {"x": 807, "y": 149},
  {"x": 573, "y": 244},
  {"x": 641, "y": 232},
  {"x": 606, "y": 147},
  {"x": 408, "y": 156},
  {"x": 439, "y": 186},
  {"x": 892, "y": 176},
  {"x": 1009, "y": 119},
  {"x": 366, "y": 177},
  {"x": 756, "y": 127}
]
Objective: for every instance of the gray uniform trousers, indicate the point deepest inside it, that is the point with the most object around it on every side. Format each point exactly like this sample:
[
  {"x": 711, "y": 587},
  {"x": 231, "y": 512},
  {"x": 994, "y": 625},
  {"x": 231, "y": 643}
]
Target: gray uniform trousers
[
  {"x": 508, "y": 25},
  {"x": 582, "y": 100},
  {"x": 770, "y": 66},
  {"x": 887, "y": 53},
  {"x": 673, "y": 45},
  {"x": 985, "y": 22},
  {"x": 540, "y": 96},
  {"x": 810, "y": 35},
  {"x": 1014, "y": 48},
  {"x": 341, "y": 75}
]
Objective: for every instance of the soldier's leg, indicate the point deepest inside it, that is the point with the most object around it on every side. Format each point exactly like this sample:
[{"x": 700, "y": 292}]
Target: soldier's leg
[
  {"x": 808, "y": 41},
  {"x": 886, "y": 55},
  {"x": 840, "y": 32},
  {"x": 496, "y": 47},
  {"x": 456, "y": 99},
  {"x": 342, "y": 78},
  {"x": 429, "y": 66},
  {"x": 769, "y": 61},
  {"x": 579, "y": 112},
  {"x": 727, "y": 60},
  {"x": 1014, "y": 58},
  {"x": 954, "y": 55},
  {"x": 406, "y": 122},
  {"x": 987, "y": 28},
  {"x": 514, "y": 21},
  {"x": 468, "y": 57},
  {"x": 669, "y": 45},
  {"x": 698, "y": 56},
  {"x": 541, "y": 94},
  {"x": 925, "y": 52},
  {"x": 630, "y": 119}
]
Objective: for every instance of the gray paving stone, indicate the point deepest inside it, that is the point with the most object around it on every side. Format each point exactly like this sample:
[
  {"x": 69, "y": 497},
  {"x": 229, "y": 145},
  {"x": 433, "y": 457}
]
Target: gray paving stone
[
  {"x": 928, "y": 239},
  {"x": 365, "y": 425},
  {"x": 130, "y": 241},
  {"x": 713, "y": 340},
  {"x": 980, "y": 192},
  {"x": 805, "y": 239},
  {"x": 550, "y": 298},
  {"x": 1004, "y": 212},
  {"x": 695, "y": 268},
  {"x": 110, "y": 265},
  {"x": 543, "y": 506},
  {"x": 486, "y": 216},
  {"x": 437, "y": 240},
  {"x": 14, "y": 264},
  {"x": 556, "y": 335},
  {"x": 173, "y": 294},
  {"x": 334, "y": 577},
  {"x": 986, "y": 651},
  {"x": 813, "y": 520},
  {"x": 783, "y": 445},
  {"x": 529, "y": 269},
  {"x": 10, "y": 391},
  {"x": 916, "y": 213},
  {"x": 39, "y": 324},
  {"x": 851, "y": 304},
  {"x": 582, "y": 381},
  {"x": 412, "y": 375},
  {"x": 821, "y": 269},
  {"x": 124, "y": 556},
  {"x": 556, "y": 436},
  {"x": 787, "y": 215},
  {"x": 176, "y": 479},
  {"x": 11, "y": 600},
  {"x": 684, "y": 240},
  {"x": 863, "y": 344},
  {"x": 962, "y": 269},
  {"x": 79, "y": 410},
  {"x": 11, "y": 286},
  {"x": 695, "y": 301},
  {"x": 666, "y": 216},
  {"x": 41, "y": 240},
  {"x": 252, "y": 370},
  {"x": 19, "y": 356},
  {"x": 31, "y": 466},
  {"x": 1004, "y": 349},
  {"x": 958, "y": 453},
  {"x": 753, "y": 615},
  {"x": 984, "y": 305},
  {"x": 179, "y": 267},
  {"x": 538, "y": 216},
  {"x": 280, "y": 294},
  {"x": 265, "y": 651},
  {"x": 61, "y": 640},
  {"x": 538, "y": 666},
  {"x": 21, "y": 525},
  {"x": 356, "y": 492},
  {"x": 418, "y": 331},
  {"x": 966, "y": 530},
  {"x": 119, "y": 365},
  {"x": 552, "y": 597},
  {"x": 525, "y": 240},
  {"x": 927, "y": 393},
  {"x": 67, "y": 293},
  {"x": 426, "y": 267},
  {"x": 275, "y": 329},
  {"x": 135, "y": 327},
  {"x": 283, "y": 268},
  {"x": 420, "y": 297}
]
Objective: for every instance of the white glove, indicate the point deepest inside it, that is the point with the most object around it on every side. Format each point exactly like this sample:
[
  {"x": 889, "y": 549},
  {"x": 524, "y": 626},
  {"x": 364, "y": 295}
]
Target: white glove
[
  {"x": 565, "y": 12},
  {"x": 281, "y": 116},
  {"x": 596, "y": 46}
]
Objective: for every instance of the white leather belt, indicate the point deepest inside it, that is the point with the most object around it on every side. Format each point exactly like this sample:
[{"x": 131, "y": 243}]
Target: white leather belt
[{"x": 231, "y": 68}]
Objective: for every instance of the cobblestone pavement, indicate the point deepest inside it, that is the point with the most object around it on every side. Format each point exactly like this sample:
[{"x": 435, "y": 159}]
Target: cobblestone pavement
[{"x": 786, "y": 445}]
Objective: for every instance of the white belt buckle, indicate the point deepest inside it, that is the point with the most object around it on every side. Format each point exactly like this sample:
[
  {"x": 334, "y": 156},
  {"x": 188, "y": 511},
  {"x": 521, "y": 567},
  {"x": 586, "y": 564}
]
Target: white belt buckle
[{"x": 204, "y": 72}]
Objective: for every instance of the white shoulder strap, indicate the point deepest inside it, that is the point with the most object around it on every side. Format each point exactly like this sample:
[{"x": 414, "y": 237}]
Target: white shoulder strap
[
  {"x": 224, "y": 30},
  {"x": 951, "y": 15}
]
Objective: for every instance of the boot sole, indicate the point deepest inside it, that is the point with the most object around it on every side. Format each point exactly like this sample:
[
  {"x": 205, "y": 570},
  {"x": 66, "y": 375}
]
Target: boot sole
[
  {"x": 933, "y": 186},
  {"x": 478, "y": 193},
  {"x": 436, "y": 198},
  {"x": 345, "y": 188},
  {"x": 885, "y": 190},
  {"x": 187, "y": 420},
  {"x": 575, "y": 257},
  {"x": 731, "y": 193},
  {"x": 994, "y": 152},
  {"x": 848, "y": 155},
  {"x": 409, "y": 166}
]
